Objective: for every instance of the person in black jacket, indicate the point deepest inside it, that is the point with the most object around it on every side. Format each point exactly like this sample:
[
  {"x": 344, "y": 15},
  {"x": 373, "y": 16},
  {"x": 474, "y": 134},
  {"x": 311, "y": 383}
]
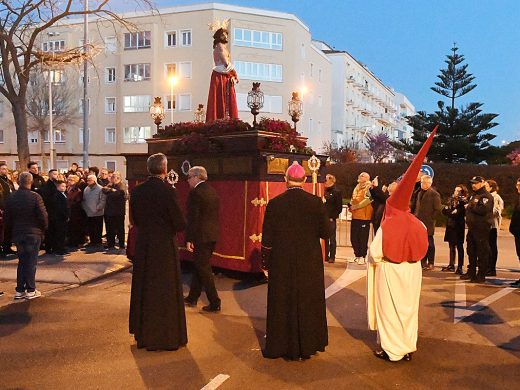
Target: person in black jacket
[
  {"x": 48, "y": 193},
  {"x": 379, "y": 197},
  {"x": 115, "y": 211},
  {"x": 60, "y": 217},
  {"x": 7, "y": 189},
  {"x": 334, "y": 205},
  {"x": 479, "y": 218},
  {"x": 455, "y": 211},
  {"x": 514, "y": 227},
  {"x": 202, "y": 233},
  {"x": 38, "y": 181},
  {"x": 26, "y": 218}
]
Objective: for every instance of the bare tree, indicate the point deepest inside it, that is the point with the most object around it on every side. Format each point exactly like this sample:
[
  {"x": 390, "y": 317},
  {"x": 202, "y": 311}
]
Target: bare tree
[
  {"x": 340, "y": 154},
  {"x": 21, "y": 24},
  {"x": 379, "y": 146},
  {"x": 65, "y": 104}
]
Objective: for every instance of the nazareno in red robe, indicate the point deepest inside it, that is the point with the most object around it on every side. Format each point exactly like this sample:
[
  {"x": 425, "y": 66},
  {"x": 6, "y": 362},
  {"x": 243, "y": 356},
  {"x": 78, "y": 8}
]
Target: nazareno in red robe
[{"x": 222, "y": 101}]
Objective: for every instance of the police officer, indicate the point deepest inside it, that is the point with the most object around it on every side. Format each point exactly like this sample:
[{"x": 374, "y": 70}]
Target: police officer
[{"x": 479, "y": 218}]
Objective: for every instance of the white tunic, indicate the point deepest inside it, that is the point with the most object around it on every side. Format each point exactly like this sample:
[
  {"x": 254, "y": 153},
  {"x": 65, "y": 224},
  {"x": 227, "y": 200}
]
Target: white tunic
[{"x": 393, "y": 301}]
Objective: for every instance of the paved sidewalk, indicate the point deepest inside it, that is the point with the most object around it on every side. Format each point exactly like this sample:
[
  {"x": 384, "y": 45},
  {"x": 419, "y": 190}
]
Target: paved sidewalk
[{"x": 56, "y": 273}]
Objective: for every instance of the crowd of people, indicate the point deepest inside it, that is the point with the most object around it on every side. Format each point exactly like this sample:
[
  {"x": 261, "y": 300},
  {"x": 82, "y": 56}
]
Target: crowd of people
[
  {"x": 60, "y": 213},
  {"x": 473, "y": 216}
]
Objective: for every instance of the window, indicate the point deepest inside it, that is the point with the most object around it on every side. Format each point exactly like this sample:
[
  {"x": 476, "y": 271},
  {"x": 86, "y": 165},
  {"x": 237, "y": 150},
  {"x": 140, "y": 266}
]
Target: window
[
  {"x": 1, "y": 136},
  {"x": 53, "y": 46},
  {"x": 185, "y": 69},
  {"x": 81, "y": 136},
  {"x": 137, "y": 72},
  {"x": 59, "y": 136},
  {"x": 33, "y": 137},
  {"x": 170, "y": 69},
  {"x": 138, "y": 40},
  {"x": 185, "y": 102},
  {"x": 110, "y": 45},
  {"x": 57, "y": 76},
  {"x": 110, "y": 135},
  {"x": 312, "y": 68},
  {"x": 139, "y": 103},
  {"x": 81, "y": 78},
  {"x": 185, "y": 37},
  {"x": 110, "y": 104},
  {"x": 319, "y": 76},
  {"x": 81, "y": 106},
  {"x": 1, "y": 109},
  {"x": 258, "y": 39},
  {"x": 171, "y": 39},
  {"x": 168, "y": 100},
  {"x": 259, "y": 71},
  {"x": 110, "y": 165},
  {"x": 136, "y": 135},
  {"x": 110, "y": 75},
  {"x": 62, "y": 165}
]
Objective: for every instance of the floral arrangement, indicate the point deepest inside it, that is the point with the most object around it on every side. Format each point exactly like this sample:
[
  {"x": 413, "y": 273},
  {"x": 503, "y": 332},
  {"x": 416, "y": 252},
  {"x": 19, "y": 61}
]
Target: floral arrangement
[{"x": 193, "y": 137}]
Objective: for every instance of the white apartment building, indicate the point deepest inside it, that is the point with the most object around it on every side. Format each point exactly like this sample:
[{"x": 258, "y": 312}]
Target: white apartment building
[
  {"x": 406, "y": 108},
  {"x": 362, "y": 104},
  {"x": 274, "y": 48}
]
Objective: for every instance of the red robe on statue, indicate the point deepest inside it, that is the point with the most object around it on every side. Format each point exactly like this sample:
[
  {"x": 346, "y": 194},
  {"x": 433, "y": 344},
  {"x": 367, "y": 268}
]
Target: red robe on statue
[{"x": 222, "y": 100}]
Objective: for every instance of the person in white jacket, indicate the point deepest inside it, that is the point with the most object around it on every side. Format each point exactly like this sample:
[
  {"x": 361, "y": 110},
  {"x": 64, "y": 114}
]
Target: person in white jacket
[
  {"x": 498, "y": 207},
  {"x": 94, "y": 205}
]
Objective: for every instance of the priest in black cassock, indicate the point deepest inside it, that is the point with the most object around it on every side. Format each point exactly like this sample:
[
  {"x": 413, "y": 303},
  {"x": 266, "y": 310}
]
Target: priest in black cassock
[
  {"x": 157, "y": 317},
  {"x": 294, "y": 222}
]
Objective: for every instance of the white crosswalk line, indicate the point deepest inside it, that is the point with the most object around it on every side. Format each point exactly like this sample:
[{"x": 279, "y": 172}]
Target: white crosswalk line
[
  {"x": 349, "y": 276},
  {"x": 460, "y": 314},
  {"x": 461, "y": 311},
  {"x": 216, "y": 382}
]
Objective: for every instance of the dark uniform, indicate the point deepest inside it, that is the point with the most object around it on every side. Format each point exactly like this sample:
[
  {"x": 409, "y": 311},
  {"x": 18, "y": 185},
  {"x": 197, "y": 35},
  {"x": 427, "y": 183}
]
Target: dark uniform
[
  {"x": 334, "y": 205},
  {"x": 479, "y": 218}
]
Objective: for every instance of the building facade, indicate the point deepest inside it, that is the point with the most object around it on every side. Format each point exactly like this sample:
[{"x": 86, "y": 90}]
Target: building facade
[
  {"x": 362, "y": 104},
  {"x": 133, "y": 67}
]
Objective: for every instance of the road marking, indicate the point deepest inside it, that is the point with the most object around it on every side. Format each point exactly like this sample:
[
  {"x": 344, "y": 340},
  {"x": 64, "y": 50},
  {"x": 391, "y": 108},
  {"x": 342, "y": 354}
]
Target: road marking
[
  {"x": 349, "y": 276},
  {"x": 460, "y": 314},
  {"x": 216, "y": 382},
  {"x": 461, "y": 310}
]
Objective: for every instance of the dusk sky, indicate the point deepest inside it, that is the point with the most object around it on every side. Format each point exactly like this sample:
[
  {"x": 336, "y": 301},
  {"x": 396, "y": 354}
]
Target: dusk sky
[{"x": 405, "y": 42}]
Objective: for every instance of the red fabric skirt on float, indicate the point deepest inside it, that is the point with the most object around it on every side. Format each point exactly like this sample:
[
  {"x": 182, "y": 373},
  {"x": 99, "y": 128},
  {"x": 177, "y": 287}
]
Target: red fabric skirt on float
[{"x": 222, "y": 100}]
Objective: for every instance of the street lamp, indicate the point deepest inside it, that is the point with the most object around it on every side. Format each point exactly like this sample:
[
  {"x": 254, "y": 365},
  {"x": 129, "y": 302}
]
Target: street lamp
[
  {"x": 50, "y": 76},
  {"x": 295, "y": 108},
  {"x": 200, "y": 113},
  {"x": 173, "y": 81},
  {"x": 255, "y": 101},
  {"x": 157, "y": 112}
]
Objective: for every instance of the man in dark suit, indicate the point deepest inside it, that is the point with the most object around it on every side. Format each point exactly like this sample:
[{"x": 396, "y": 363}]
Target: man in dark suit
[
  {"x": 334, "y": 205},
  {"x": 201, "y": 236},
  {"x": 427, "y": 208},
  {"x": 157, "y": 318},
  {"x": 294, "y": 223}
]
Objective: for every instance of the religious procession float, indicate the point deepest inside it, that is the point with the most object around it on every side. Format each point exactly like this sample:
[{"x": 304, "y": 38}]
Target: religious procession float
[{"x": 245, "y": 163}]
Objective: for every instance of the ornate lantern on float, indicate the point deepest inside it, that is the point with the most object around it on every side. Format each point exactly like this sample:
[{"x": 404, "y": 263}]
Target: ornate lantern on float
[
  {"x": 295, "y": 108},
  {"x": 255, "y": 101},
  {"x": 157, "y": 112},
  {"x": 200, "y": 113}
]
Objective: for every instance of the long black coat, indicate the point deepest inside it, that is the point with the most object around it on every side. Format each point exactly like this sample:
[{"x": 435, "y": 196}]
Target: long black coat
[
  {"x": 296, "y": 316},
  {"x": 514, "y": 227},
  {"x": 427, "y": 207},
  {"x": 157, "y": 317},
  {"x": 456, "y": 222}
]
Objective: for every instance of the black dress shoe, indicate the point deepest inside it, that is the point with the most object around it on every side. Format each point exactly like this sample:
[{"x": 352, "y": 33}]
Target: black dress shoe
[
  {"x": 458, "y": 271},
  {"x": 407, "y": 357},
  {"x": 382, "y": 355},
  {"x": 467, "y": 276},
  {"x": 491, "y": 273},
  {"x": 211, "y": 308},
  {"x": 478, "y": 279},
  {"x": 331, "y": 260},
  {"x": 449, "y": 268},
  {"x": 189, "y": 302}
]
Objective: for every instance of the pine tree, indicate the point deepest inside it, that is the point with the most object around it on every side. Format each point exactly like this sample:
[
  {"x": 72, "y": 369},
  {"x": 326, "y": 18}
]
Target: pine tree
[{"x": 462, "y": 134}]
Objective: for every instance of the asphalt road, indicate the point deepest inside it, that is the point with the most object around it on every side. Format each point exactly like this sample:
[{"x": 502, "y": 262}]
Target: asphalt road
[{"x": 78, "y": 339}]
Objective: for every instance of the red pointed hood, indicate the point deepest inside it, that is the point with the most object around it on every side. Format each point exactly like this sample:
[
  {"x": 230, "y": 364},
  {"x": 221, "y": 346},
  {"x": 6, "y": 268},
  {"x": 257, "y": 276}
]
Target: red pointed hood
[{"x": 404, "y": 237}]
